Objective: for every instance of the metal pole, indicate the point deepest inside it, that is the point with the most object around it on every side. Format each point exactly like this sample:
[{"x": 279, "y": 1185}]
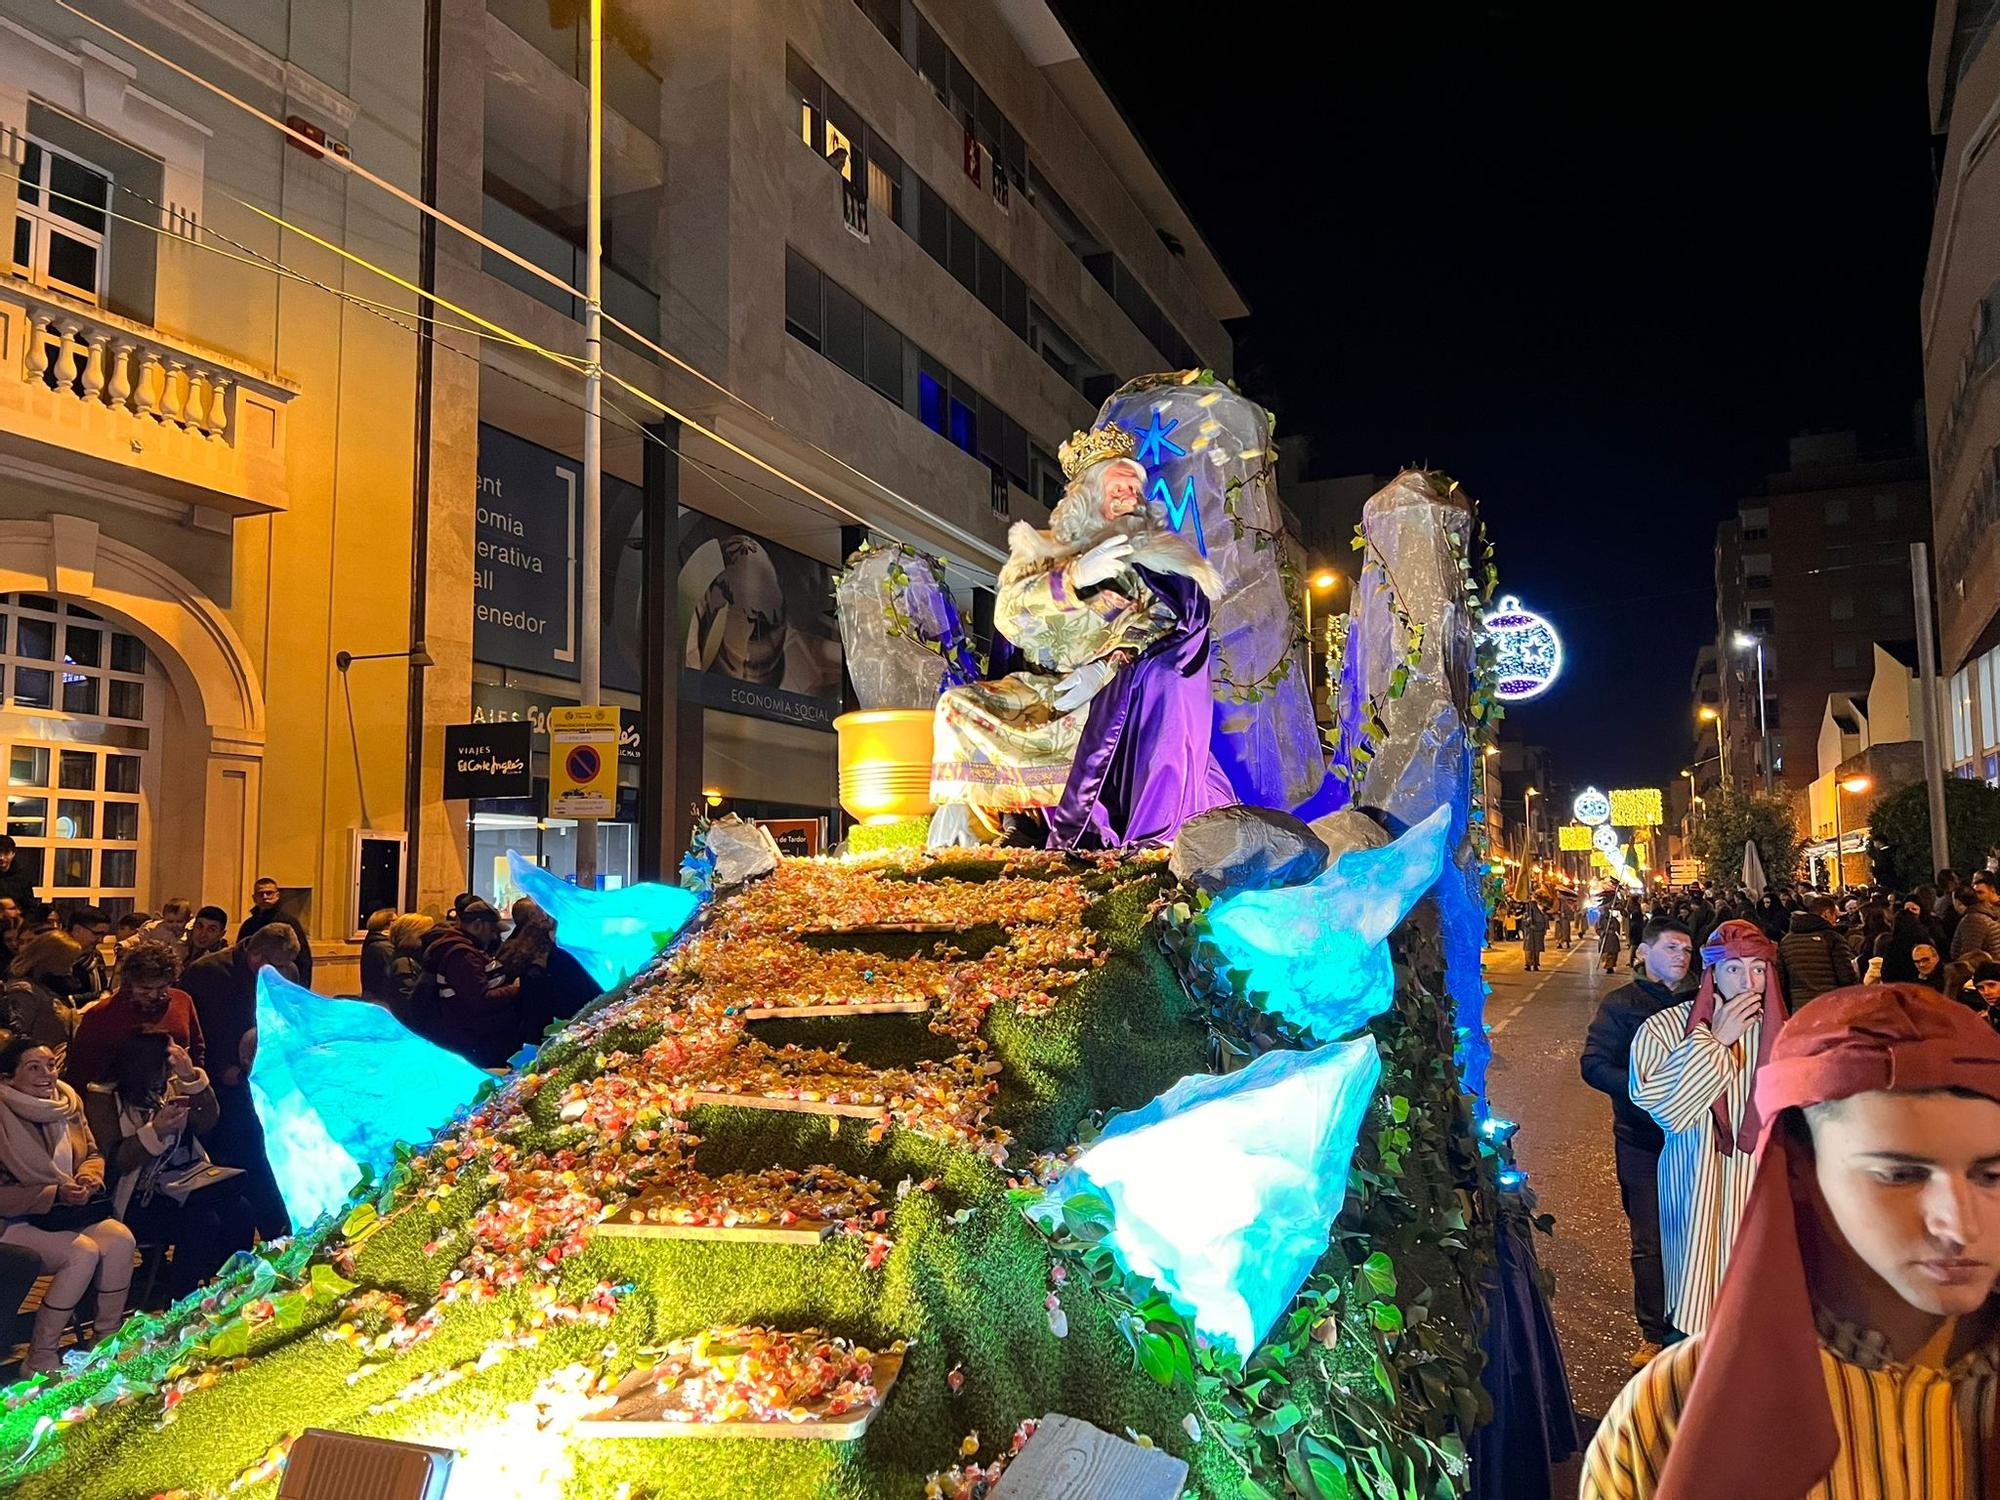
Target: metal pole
[
  {"x": 1932, "y": 727},
  {"x": 1721, "y": 754},
  {"x": 1839, "y": 844},
  {"x": 1763, "y": 725},
  {"x": 1312, "y": 699},
  {"x": 590, "y": 629}
]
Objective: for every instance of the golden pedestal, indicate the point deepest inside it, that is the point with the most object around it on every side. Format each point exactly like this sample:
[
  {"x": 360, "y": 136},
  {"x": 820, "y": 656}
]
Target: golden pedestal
[{"x": 885, "y": 763}]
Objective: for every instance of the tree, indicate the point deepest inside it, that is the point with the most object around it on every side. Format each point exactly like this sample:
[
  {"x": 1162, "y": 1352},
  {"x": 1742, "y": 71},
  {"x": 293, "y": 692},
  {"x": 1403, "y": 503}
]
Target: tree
[
  {"x": 1732, "y": 817},
  {"x": 1899, "y": 830}
]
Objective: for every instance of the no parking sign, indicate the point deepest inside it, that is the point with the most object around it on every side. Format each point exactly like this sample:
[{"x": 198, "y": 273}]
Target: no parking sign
[{"x": 583, "y": 762}]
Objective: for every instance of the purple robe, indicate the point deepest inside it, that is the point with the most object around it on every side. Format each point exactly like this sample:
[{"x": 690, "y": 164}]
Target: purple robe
[{"x": 1144, "y": 765}]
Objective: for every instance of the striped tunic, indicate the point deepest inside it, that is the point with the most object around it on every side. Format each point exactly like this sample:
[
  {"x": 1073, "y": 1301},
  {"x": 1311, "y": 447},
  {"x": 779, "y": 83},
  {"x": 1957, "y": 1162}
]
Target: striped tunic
[
  {"x": 1675, "y": 1077},
  {"x": 1907, "y": 1432}
]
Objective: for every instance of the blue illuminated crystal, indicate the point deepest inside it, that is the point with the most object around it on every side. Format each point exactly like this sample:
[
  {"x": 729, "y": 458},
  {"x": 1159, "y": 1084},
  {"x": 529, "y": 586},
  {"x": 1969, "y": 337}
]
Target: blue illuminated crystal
[
  {"x": 337, "y": 1083},
  {"x": 1318, "y": 954},
  {"x": 613, "y": 934},
  {"x": 1223, "y": 1190}
]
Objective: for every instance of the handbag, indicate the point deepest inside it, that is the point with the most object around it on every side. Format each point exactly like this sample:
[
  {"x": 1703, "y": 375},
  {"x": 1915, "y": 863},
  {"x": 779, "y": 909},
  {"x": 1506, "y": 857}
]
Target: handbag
[{"x": 93, "y": 1210}]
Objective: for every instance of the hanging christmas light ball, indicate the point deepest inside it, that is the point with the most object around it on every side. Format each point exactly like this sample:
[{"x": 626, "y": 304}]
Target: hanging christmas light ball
[
  {"x": 1591, "y": 806},
  {"x": 1528, "y": 654},
  {"x": 1607, "y": 841}
]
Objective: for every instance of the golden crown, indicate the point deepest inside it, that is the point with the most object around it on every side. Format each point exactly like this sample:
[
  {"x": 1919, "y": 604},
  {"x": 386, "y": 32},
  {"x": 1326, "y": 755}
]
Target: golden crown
[{"x": 1095, "y": 447}]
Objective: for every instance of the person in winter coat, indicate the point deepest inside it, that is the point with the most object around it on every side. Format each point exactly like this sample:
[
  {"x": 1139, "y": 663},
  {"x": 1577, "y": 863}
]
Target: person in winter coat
[
  {"x": 265, "y": 896},
  {"x": 1666, "y": 950},
  {"x": 406, "y": 965},
  {"x": 378, "y": 955},
  {"x": 1534, "y": 929},
  {"x": 29, "y": 1004},
  {"x": 544, "y": 983},
  {"x": 451, "y": 1005},
  {"x": 1978, "y": 923},
  {"x": 52, "y": 1199},
  {"x": 1609, "y": 943},
  {"x": 1563, "y": 923},
  {"x": 1812, "y": 957},
  {"x": 1909, "y": 932}
]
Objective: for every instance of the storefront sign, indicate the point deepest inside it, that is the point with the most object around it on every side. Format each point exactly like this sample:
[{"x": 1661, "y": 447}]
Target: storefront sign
[
  {"x": 488, "y": 760},
  {"x": 758, "y": 626},
  {"x": 798, "y": 838},
  {"x": 492, "y": 704},
  {"x": 583, "y": 762}
]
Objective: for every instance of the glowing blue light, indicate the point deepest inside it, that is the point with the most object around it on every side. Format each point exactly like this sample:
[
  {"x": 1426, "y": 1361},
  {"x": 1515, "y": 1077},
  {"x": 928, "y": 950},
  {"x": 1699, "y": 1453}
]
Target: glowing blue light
[
  {"x": 1318, "y": 952},
  {"x": 337, "y": 1083},
  {"x": 1155, "y": 447},
  {"x": 1223, "y": 1189},
  {"x": 1178, "y": 511},
  {"x": 1512, "y": 1178},
  {"x": 613, "y": 934},
  {"x": 1497, "y": 1130},
  {"x": 1527, "y": 652}
]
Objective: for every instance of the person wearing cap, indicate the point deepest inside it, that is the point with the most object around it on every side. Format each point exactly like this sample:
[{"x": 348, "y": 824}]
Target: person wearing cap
[
  {"x": 1855, "y": 1347},
  {"x": 1694, "y": 1070}
]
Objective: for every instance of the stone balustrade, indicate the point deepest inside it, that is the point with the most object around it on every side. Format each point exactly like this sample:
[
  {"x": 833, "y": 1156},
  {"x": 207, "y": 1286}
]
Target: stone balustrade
[{"x": 195, "y": 424}]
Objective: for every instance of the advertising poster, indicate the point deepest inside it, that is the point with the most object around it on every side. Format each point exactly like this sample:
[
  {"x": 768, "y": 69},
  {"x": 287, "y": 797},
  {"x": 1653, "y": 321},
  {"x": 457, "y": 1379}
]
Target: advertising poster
[
  {"x": 487, "y": 760},
  {"x": 758, "y": 626}
]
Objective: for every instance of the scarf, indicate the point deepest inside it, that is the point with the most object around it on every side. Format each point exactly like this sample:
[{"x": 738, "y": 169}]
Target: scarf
[
  {"x": 1759, "y": 1372},
  {"x": 1739, "y": 939},
  {"x": 35, "y": 1147}
]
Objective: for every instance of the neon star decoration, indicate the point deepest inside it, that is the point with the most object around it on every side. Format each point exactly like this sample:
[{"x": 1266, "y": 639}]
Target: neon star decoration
[
  {"x": 1528, "y": 654},
  {"x": 1155, "y": 446}
]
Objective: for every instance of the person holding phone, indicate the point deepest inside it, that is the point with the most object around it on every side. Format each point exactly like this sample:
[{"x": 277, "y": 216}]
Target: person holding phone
[
  {"x": 52, "y": 1199},
  {"x": 163, "y": 1186}
]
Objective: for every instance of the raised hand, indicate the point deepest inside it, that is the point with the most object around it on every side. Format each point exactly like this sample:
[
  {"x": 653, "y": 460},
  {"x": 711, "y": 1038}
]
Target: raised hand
[{"x": 1103, "y": 561}]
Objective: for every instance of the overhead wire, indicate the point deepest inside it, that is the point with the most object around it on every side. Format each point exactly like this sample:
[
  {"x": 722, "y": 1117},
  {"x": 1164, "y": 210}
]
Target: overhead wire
[{"x": 348, "y": 164}]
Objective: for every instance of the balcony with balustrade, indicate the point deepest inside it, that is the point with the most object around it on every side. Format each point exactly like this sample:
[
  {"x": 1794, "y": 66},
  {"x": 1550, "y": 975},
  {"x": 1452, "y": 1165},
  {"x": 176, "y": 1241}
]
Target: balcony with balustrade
[{"x": 95, "y": 398}]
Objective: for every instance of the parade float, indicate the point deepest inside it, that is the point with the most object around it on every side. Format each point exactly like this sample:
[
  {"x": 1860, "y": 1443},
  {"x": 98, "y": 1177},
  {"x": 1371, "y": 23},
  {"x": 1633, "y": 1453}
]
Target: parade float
[{"x": 898, "y": 1172}]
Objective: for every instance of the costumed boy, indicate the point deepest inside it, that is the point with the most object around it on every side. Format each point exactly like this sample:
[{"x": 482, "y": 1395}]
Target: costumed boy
[
  {"x": 1694, "y": 1069},
  {"x": 1853, "y": 1349},
  {"x": 1103, "y": 727}
]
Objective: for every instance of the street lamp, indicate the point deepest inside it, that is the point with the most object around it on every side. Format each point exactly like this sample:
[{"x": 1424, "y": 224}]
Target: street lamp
[
  {"x": 1857, "y": 785},
  {"x": 1708, "y": 715},
  {"x": 1745, "y": 641},
  {"x": 1322, "y": 582},
  {"x": 1528, "y": 814}
]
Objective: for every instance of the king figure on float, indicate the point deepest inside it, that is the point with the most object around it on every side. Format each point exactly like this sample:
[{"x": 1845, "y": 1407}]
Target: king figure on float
[{"x": 1100, "y": 717}]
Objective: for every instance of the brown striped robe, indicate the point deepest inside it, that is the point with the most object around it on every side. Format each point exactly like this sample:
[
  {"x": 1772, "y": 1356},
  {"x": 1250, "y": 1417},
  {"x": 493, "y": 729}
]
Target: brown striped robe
[{"x": 1907, "y": 1432}]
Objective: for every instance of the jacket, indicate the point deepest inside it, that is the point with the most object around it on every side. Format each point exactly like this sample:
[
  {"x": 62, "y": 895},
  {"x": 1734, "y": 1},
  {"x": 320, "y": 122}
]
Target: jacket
[
  {"x": 15, "y": 881},
  {"x": 378, "y": 957},
  {"x": 1978, "y": 927},
  {"x": 263, "y": 916},
  {"x": 451, "y": 1007},
  {"x": 1812, "y": 959},
  {"x": 132, "y": 1145},
  {"x": 101, "y": 1031},
  {"x": 223, "y": 987},
  {"x": 21, "y": 1200},
  {"x": 1607, "y": 1057},
  {"x": 30, "y": 1008}
]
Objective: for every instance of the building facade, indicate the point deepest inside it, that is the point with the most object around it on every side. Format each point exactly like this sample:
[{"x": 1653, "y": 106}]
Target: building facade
[
  {"x": 1817, "y": 568},
  {"x": 865, "y": 268}
]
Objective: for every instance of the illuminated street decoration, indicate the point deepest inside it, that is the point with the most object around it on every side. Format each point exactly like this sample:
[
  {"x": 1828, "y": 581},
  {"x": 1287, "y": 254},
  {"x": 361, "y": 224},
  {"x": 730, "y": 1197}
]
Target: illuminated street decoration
[
  {"x": 1573, "y": 838},
  {"x": 613, "y": 934},
  {"x": 1591, "y": 806},
  {"x": 1178, "y": 512},
  {"x": 1637, "y": 807},
  {"x": 1527, "y": 652},
  {"x": 1605, "y": 839},
  {"x": 1223, "y": 1189},
  {"x": 337, "y": 1083}
]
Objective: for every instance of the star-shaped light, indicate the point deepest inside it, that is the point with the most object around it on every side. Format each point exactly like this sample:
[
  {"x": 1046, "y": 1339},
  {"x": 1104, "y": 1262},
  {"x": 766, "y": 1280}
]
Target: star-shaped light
[{"x": 1155, "y": 446}]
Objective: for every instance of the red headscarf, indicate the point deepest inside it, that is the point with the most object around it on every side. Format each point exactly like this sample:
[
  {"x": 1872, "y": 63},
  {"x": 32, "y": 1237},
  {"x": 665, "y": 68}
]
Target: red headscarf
[
  {"x": 1740, "y": 939},
  {"x": 1759, "y": 1372}
]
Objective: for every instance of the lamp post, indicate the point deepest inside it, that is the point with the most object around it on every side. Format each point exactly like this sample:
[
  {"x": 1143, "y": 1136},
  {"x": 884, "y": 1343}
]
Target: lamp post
[
  {"x": 1528, "y": 816},
  {"x": 1708, "y": 715},
  {"x": 1856, "y": 784},
  {"x": 1745, "y": 641},
  {"x": 1322, "y": 582}
]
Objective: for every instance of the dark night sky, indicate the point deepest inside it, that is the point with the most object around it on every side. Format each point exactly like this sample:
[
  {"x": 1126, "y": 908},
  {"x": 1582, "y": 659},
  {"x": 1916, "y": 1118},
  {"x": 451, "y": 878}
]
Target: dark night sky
[{"x": 1597, "y": 262}]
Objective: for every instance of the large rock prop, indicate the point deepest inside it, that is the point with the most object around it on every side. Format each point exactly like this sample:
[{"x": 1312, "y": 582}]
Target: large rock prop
[
  {"x": 1318, "y": 954},
  {"x": 1348, "y": 829},
  {"x": 1414, "y": 568},
  {"x": 337, "y": 1084},
  {"x": 1245, "y": 848},
  {"x": 1212, "y": 473},
  {"x": 900, "y": 628},
  {"x": 613, "y": 934},
  {"x": 1223, "y": 1190},
  {"x": 742, "y": 851}
]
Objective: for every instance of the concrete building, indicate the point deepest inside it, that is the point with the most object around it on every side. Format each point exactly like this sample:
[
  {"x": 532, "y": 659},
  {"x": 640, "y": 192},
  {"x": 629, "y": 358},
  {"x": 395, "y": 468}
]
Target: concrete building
[
  {"x": 868, "y": 264},
  {"x": 1960, "y": 313},
  {"x": 1818, "y": 568},
  {"x": 1870, "y": 745}
]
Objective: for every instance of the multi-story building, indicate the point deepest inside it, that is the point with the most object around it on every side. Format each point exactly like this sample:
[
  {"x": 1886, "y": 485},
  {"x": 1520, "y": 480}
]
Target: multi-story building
[
  {"x": 1817, "y": 568},
  {"x": 1961, "y": 340},
  {"x": 865, "y": 267}
]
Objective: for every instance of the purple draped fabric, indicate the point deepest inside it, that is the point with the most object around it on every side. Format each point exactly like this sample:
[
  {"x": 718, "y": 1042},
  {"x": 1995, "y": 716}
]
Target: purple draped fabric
[{"x": 1144, "y": 765}]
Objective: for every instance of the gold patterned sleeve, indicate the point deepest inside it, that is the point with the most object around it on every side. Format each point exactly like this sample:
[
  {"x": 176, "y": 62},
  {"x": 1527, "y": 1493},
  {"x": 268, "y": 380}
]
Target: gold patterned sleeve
[{"x": 1630, "y": 1447}]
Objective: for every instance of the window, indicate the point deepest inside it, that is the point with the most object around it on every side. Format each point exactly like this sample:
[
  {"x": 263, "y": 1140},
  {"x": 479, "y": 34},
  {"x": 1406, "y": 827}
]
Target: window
[
  {"x": 846, "y": 140},
  {"x": 1885, "y": 507},
  {"x": 885, "y": 358},
  {"x": 808, "y": 100},
  {"x": 1840, "y": 606},
  {"x": 1755, "y": 522},
  {"x": 1763, "y": 617},
  {"x": 887, "y": 18},
  {"x": 1892, "y": 554},
  {"x": 1836, "y": 511},
  {"x": 1838, "y": 555},
  {"x": 1845, "y": 658},
  {"x": 804, "y": 318},
  {"x": 845, "y": 331},
  {"x": 59, "y": 222},
  {"x": 1892, "y": 604},
  {"x": 885, "y": 182}
]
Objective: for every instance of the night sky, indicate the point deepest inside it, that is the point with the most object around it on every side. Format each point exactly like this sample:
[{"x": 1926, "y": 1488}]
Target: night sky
[{"x": 1597, "y": 262}]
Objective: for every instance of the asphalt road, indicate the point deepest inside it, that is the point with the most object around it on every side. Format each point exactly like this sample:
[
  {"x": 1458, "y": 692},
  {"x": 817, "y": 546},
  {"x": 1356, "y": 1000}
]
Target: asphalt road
[{"x": 1538, "y": 1023}]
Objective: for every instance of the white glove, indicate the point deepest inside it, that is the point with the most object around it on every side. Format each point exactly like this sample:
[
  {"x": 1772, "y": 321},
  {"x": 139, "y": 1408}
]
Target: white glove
[
  {"x": 1106, "y": 560},
  {"x": 1080, "y": 686}
]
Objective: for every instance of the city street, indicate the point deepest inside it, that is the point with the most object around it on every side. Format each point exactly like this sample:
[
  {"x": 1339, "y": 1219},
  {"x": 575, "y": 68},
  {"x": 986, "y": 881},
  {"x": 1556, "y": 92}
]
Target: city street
[{"x": 1538, "y": 1022}]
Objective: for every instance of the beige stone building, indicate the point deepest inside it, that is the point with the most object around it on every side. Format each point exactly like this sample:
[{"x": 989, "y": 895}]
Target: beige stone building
[{"x": 902, "y": 249}]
